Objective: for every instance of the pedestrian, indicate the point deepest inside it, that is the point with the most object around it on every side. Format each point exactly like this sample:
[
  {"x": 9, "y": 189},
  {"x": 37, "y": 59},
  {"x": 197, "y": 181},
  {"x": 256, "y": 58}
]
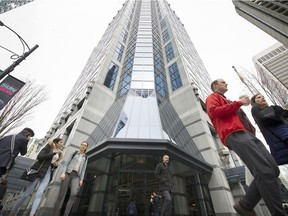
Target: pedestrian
[
  {"x": 164, "y": 176},
  {"x": 251, "y": 150},
  {"x": 131, "y": 208},
  {"x": 270, "y": 122},
  {"x": 73, "y": 175},
  {"x": 20, "y": 142},
  {"x": 47, "y": 160},
  {"x": 155, "y": 204}
]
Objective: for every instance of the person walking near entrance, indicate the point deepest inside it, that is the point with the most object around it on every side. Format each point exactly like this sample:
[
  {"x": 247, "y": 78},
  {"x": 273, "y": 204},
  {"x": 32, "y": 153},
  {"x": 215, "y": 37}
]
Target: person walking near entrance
[
  {"x": 164, "y": 176},
  {"x": 131, "y": 208},
  {"x": 154, "y": 201},
  {"x": 73, "y": 175},
  {"x": 249, "y": 148}
]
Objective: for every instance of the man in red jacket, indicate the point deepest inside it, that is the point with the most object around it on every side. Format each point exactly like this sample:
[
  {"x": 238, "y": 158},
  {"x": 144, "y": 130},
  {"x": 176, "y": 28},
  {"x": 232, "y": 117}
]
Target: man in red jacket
[{"x": 232, "y": 133}]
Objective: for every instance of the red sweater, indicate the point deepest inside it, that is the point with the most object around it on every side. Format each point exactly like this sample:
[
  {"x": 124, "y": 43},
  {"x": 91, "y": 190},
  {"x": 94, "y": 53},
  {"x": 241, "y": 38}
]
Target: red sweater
[{"x": 223, "y": 115}]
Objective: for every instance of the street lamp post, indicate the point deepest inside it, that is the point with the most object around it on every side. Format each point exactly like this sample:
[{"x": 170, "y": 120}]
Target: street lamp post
[
  {"x": 21, "y": 58},
  {"x": 17, "y": 62}
]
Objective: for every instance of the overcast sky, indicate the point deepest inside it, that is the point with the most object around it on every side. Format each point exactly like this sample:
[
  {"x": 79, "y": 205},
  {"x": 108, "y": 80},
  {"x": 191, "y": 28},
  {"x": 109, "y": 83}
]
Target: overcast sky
[{"x": 67, "y": 31}]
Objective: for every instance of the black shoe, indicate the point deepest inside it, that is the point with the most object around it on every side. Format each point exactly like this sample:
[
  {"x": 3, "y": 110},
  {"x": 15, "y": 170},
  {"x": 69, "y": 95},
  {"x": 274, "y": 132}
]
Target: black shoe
[{"x": 243, "y": 212}]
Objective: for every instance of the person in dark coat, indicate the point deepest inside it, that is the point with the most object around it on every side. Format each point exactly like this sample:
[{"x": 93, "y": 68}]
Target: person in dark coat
[
  {"x": 47, "y": 160},
  {"x": 155, "y": 204},
  {"x": 21, "y": 142},
  {"x": 164, "y": 176},
  {"x": 270, "y": 122},
  {"x": 131, "y": 208}
]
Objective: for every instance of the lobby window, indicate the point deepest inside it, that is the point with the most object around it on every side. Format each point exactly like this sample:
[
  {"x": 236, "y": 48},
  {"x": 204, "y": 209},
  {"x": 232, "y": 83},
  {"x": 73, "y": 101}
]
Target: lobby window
[
  {"x": 169, "y": 52},
  {"x": 111, "y": 76},
  {"x": 175, "y": 77},
  {"x": 119, "y": 52},
  {"x": 166, "y": 35}
]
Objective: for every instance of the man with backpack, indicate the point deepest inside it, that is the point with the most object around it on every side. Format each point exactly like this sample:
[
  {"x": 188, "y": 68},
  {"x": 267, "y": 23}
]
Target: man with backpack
[
  {"x": 18, "y": 143},
  {"x": 73, "y": 174}
]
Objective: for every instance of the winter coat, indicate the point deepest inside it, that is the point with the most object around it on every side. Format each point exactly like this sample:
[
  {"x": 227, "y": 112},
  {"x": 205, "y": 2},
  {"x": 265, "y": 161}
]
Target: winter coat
[
  {"x": 20, "y": 146},
  {"x": 274, "y": 131},
  {"x": 223, "y": 115},
  {"x": 44, "y": 161},
  {"x": 164, "y": 176}
]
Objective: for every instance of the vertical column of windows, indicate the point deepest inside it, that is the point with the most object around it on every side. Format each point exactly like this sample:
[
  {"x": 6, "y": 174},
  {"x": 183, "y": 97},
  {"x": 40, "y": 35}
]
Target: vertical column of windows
[
  {"x": 143, "y": 75},
  {"x": 126, "y": 75},
  {"x": 159, "y": 69}
]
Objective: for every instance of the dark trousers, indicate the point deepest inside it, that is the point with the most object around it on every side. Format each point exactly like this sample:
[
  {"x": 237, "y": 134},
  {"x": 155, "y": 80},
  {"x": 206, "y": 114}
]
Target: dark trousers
[
  {"x": 167, "y": 204},
  {"x": 264, "y": 170},
  {"x": 2, "y": 171}
]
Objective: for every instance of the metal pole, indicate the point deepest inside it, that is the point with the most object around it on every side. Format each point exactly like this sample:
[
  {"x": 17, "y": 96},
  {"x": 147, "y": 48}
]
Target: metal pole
[{"x": 17, "y": 62}]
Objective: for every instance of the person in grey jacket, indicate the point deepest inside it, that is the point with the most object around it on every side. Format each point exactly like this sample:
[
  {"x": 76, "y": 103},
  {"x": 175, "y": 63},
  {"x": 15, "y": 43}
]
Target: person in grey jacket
[
  {"x": 73, "y": 175},
  {"x": 164, "y": 176},
  {"x": 21, "y": 142}
]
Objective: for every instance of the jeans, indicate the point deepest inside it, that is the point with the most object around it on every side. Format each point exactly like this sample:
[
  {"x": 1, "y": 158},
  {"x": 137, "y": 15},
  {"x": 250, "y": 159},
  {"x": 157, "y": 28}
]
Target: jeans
[
  {"x": 30, "y": 189},
  {"x": 263, "y": 168}
]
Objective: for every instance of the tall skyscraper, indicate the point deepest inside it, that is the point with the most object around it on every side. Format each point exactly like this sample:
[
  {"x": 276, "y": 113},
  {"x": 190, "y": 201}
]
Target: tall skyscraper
[
  {"x": 6, "y": 5},
  {"x": 141, "y": 95},
  {"x": 272, "y": 66},
  {"x": 270, "y": 16}
]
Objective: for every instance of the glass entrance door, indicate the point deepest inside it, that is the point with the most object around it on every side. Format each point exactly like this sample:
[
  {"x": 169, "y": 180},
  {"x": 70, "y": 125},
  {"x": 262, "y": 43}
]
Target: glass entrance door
[{"x": 137, "y": 186}]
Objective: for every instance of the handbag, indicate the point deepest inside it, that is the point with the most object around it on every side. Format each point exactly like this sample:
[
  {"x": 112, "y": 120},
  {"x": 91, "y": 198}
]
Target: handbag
[
  {"x": 31, "y": 174},
  {"x": 12, "y": 156}
]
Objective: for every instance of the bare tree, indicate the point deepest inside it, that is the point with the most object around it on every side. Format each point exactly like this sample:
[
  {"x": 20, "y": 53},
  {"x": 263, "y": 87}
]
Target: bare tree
[
  {"x": 21, "y": 106},
  {"x": 263, "y": 84}
]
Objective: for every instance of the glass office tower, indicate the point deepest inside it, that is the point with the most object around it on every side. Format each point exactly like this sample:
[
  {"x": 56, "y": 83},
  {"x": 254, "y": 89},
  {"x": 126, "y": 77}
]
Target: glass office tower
[{"x": 141, "y": 95}]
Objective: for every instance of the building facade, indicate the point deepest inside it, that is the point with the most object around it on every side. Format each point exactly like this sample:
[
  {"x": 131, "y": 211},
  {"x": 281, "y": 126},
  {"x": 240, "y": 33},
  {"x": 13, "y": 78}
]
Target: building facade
[
  {"x": 270, "y": 16},
  {"x": 272, "y": 66},
  {"x": 141, "y": 95},
  {"x": 6, "y": 5}
]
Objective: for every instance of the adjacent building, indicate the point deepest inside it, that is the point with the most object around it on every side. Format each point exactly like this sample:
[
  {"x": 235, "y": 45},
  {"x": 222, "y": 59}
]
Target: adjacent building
[
  {"x": 272, "y": 66},
  {"x": 270, "y": 16},
  {"x": 6, "y": 5}
]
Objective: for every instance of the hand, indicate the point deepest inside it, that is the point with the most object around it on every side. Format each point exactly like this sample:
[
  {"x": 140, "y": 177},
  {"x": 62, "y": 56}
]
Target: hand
[
  {"x": 245, "y": 100},
  {"x": 56, "y": 164},
  {"x": 62, "y": 177},
  {"x": 80, "y": 183}
]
